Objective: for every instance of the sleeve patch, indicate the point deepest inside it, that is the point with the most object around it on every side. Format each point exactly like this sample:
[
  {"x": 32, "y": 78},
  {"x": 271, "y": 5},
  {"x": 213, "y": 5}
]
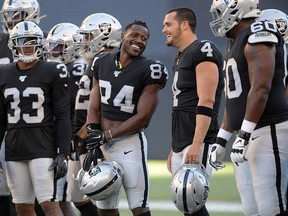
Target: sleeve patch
[{"x": 263, "y": 36}]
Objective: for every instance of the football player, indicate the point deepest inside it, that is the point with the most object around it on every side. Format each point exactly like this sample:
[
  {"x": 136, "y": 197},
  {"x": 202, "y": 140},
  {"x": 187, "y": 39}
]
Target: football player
[
  {"x": 11, "y": 13},
  {"x": 256, "y": 106},
  {"x": 124, "y": 96},
  {"x": 33, "y": 113},
  {"x": 101, "y": 33},
  {"x": 62, "y": 44},
  {"x": 197, "y": 88}
]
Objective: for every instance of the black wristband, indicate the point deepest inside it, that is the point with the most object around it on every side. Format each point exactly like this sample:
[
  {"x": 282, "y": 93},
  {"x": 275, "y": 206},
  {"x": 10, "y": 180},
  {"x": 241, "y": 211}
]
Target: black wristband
[
  {"x": 244, "y": 135},
  {"x": 221, "y": 141},
  {"x": 202, "y": 110},
  {"x": 93, "y": 126}
]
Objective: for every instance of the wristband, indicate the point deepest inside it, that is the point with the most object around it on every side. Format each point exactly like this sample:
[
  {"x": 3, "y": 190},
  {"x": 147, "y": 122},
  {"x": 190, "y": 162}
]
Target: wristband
[
  {"x": 224, "y": 134},
  {"x": 221, "y": 141},
  {"x": 248, "y": 126},
  {"x": 244, "y": 135},
  {"x": 222, "y": 137},
  {"x": 202, "y": 110},
  {"x": 108, "y": 135}
]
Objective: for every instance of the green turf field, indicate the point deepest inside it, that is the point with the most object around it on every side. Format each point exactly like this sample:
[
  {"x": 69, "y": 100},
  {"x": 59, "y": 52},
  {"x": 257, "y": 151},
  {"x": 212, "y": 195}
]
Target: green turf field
[{"x": 222, "y": 188}]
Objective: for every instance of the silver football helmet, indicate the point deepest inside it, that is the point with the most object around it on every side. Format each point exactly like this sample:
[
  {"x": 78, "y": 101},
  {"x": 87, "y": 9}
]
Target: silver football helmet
[
  {"x": 62, "y": 43},
  {"x": 100, "y": 30},
  {"x": 16, "y": 11},
  {"x": 228, "y": 13},
  {"x": 279, "y": 18},
  {"x": 101, "y": 181},
  {"x": 26, "y": 41},
  {"x": 190, "y": 188}
]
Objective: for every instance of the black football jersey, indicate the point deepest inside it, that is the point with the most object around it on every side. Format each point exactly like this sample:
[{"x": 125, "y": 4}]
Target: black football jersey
[
  {"x": 121, "y": 88},
  {"x": 5, "y": 53},
  {"x": 237, "y": 83},
  {"x": 82, "y": 96},
  {"x": 76, "y": 70},
  {"x": 34, "y": 108},
  {"x": 185, "y": 97}
]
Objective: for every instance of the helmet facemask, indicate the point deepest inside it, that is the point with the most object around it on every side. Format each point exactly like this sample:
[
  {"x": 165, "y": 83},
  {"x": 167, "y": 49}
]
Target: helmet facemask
[
  {"x": 63, "y": 43},
  {"x": 228, "y": 13},
  {"x": 27, "y": 49},
  {"x": 18, "y": 11},
  {"x": 99, "y": 31},
  {"x": 26, "y": 42}
]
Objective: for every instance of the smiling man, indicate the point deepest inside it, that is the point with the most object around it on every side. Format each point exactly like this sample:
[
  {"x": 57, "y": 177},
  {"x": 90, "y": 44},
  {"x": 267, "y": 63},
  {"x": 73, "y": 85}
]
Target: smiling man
[
  {"x": 197, "y": 87},
  {"x": 124, "y": 97}
]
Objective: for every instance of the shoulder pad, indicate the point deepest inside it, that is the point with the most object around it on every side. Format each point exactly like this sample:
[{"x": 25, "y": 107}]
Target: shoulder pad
[{"x": 263, "y": 36}]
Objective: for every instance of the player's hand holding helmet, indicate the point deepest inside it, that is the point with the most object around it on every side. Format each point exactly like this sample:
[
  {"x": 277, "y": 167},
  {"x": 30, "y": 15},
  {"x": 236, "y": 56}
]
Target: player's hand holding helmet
[
  {"x": 95, "y": 137},
  {"x": 101, "y": 181},
  {"x": 190, "y": 188},
  {"x": 239, "y": 147},
  {"x": 60, "y": 163},
  {"x": 93, "y": 156}
]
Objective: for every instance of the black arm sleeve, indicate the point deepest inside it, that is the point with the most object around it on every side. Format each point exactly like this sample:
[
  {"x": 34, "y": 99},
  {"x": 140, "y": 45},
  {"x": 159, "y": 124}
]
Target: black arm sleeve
[{"x": 61, "y": 111}]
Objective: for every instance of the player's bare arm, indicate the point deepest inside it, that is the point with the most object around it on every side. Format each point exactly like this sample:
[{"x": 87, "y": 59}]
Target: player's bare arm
[
  {"x": 93, "y": 115},
  {"x": 261, "y": 63},
  {"x": 207, "y": 80}
]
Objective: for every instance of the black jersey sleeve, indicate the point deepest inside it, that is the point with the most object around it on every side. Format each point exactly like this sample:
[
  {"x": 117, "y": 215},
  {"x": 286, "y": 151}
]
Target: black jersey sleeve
[
  {"x": 207, "y": 51},
  {"x": 61, "y": 109},
  {"x": 264, "y": 32},
  {"x": 157, "y": 73}
]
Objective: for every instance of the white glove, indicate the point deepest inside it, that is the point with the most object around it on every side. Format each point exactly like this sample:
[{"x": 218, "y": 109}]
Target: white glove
[
  {"x": 239, "y": 147},
  {"x": 216, "y": 157}
]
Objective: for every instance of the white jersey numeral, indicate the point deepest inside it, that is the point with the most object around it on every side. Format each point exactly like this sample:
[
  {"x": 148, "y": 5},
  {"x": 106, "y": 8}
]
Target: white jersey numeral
[
  {"x": 207, "y": 49},
  {"x": 175, "y": 90},
  {"x": 123, "y": 99},
  {"x": 233, "y": 86},
  {"x": 83, "y": 93},
  {"x": 36, "y": 105}
]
